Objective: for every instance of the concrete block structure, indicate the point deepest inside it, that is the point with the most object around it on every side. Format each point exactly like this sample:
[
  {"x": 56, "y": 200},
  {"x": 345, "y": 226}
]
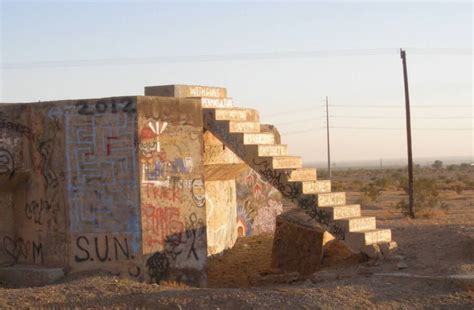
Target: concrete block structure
[{"x": 148, "y": 187}]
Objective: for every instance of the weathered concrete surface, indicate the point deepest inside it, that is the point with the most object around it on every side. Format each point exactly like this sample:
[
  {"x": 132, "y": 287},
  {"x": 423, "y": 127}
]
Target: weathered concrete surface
[
  {"x": 32, "y": 176},
  {"x": 183, "y": 91},
  {"x": 30, "y": 275},
  {"x": 220, "y": 163},
  {"x": 221, "y": 209},
  {"x": 102, "y": 184},
  {"x": 298, "y": 243},
  {"x": 172, "y": 189}
]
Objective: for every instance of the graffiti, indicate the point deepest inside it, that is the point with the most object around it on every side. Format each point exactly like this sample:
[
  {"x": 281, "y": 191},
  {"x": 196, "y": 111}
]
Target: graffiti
[
  {"x": 221, "y": 130},
  {"x": 7, "y": 163},
  {"x": 16, "y": 127},
  {"x": 160, "y": 171},
  {"x": 45, "y": 149},
  {"x": 291, "y": 191},
  {"x": 275, "y": 178},
  {"x": 194, "y": 228},
  {"x": 158, "y": 266},
  {"x": 109, "y": 145},
  {"x": 199, "y": 91},
  {"x": 120, "y": 251},
  {"x": 199, "y": 193},
  {"x": 244, "y": 223},
  {"x": 104, "y": 105},
  {"x": 258, "y": 204},
  {"x": 150, "y": 138},
  {"x": 160, "y": 192},
  {"x": 101, "y": 171},
  {"x": 19, "y": 249},
  {"x": 35, "y": 210},
  {"x": 134, "y": 271},
  {"x": 162, "y": 222}
]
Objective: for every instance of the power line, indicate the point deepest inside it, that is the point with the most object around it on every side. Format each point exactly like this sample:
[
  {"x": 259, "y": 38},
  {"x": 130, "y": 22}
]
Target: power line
[
  {"x": 228, "y": 57},
  {"x": 374, "y": 128},
  {"x": 398, "y": 106},
  {"x": 395, "y": 117}
]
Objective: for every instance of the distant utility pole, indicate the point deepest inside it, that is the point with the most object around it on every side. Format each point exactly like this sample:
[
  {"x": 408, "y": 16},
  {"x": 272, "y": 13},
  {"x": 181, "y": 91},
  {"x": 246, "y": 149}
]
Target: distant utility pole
[
  {"x": 327, "y": 130},
  {"x": 411, "y": 199}
]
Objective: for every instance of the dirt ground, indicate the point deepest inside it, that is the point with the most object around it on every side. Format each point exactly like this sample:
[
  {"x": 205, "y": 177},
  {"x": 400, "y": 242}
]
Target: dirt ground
[{"x": 435, "y": 245}]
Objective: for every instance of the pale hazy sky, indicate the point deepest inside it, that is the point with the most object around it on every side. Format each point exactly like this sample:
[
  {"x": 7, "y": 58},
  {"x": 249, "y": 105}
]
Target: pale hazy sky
[{"x": 58, "y": 50}]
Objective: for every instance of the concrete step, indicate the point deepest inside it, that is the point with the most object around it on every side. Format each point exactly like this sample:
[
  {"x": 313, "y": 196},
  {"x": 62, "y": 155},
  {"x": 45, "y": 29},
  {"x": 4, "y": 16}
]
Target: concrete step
[
  {"x": 301, "y": 174},
  {"x": 286, "y": 162},
  {"x": 244, "y": 127},
  {"x": 269, "y": 150},
  {"x": 236, "y": 114},
  {"x": 259, "y": 138},
  {"x": 342, "y": 212},
  {"x": 360, "y": 239},
  {"x": 360, "y": 223},
  {"x": 208, "y": 102},
  {"x": 315, "y": 187},
  {"x": 331, "y": 199},
  {"x": 183, "y": 91}
]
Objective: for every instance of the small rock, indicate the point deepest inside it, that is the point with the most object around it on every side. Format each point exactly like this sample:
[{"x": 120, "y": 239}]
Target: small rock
[
  {"x": 402, "y": 265},
  {"x": 372, "y": 251},
  {"x": 388, "y": 247}
]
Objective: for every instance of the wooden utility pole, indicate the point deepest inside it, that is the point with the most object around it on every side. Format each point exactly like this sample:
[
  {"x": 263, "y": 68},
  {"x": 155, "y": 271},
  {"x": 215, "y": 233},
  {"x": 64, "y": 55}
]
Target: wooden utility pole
[
  {"x": 411, "y": 199},
  {"x": 327, "y": 130}
]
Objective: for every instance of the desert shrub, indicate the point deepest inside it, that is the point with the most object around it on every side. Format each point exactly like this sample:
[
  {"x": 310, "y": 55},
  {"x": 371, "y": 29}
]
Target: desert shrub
[
  {"x": 363, "y": 200},
  {"x": 438, "y": 164},
  {"x": 426, "y": 195},
  {"x": 459, "y": 188},
  {"x": 374, "y": 189}
]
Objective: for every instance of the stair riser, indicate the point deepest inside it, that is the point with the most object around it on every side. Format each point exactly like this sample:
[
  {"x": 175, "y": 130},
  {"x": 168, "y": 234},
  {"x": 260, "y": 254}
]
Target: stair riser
[
  {"x": 343, "y": 212},
  {"x": 286, "y": 163},
  {"x": 263, "y": 138},
  {"x": 272, "y": 150},
  {"x": 314, "y": 187},
  {"x": 357, "y": 224},
  {"x": 331, "y": 199},
  {"x": 301, "y": 175},
  {"x": 244, "y": 127},
  {"x": 216, "y": 102},
  {"x": 237, "y": 115},
  {"x": 360, "y": 239}
]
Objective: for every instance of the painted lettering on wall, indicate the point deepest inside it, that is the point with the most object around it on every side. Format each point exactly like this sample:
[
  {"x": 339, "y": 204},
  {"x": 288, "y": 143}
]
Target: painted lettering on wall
[
  {"x": 21, "y": 250},
  {"x": 162, "y": 222},
  {"x": 102, "y": 249},
  {"x": 112, "y": 105}
]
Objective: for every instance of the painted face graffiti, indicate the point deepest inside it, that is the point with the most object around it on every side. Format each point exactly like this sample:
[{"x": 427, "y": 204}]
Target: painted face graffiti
[
  {"x": 150, "y": 138},
  {"x": 7, "y": 165},
  {"x": 199, "y": 193}
]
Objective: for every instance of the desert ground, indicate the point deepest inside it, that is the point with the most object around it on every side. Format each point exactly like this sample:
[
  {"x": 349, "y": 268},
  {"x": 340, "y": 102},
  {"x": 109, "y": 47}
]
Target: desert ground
[{"x": 438, "y": 244}]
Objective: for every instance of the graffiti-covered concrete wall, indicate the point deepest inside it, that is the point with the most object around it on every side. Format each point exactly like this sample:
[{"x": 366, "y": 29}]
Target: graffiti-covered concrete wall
[
  {"x": 258, "y": 204},
  {"x": 102, "y": 185},
  {"x": 32, "y": 185},
  {"x": 172, "y": 189},
  {"x": 131, "y": 185}
]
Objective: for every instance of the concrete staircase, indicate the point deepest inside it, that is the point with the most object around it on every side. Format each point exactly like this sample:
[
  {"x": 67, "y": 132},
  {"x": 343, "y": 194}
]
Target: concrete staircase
[{"x": 239, "y": 129}]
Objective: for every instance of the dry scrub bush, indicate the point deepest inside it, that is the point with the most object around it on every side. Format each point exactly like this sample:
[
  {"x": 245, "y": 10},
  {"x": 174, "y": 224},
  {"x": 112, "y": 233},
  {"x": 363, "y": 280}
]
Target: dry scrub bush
[{"x": 426, "y": 194}]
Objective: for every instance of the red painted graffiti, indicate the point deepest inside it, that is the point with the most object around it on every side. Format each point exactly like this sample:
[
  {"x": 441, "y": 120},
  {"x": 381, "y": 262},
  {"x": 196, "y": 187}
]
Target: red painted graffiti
[
  {"x": 160, "y": 192},
  {"x": 161, "y": 223}
]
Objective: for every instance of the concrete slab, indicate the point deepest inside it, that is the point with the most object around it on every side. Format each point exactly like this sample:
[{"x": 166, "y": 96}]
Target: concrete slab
[{"x": 30, "y": 275}]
